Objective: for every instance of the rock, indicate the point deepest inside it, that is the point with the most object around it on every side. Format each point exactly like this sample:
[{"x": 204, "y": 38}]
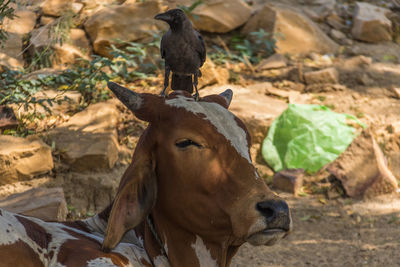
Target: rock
[
  {"x": 289, "y": 180},
  {"x": 362, "y": 169},
  {"x": 321, "y": 8},
  {"x": 276, "y": 61},
  {"x": 329, "y": 75},
  {"x": 293, "y": 96},
  {"x": 220, "y": 16},
  {"x": 11, "y": 52},
  {"x": 44, "y": 203},
  {"x": 211, "y": 74},
  {"x": 23, "y": 22},
  {"x": 44, "y": 20},
  {"x": 55, "y": 7},
  {"x": 370, "y": 23},
  {"x": 252, "y": 106},
  {"x": 91, "y": 192},
  {"x": 337, "y": 35},
  {"x": 364, "y": 79},
  {"x": 396, "y": 92},
  {"x": 314, "y": 16},
  {"x": 88, "y": 141},
  {"x": 336, "y": 22},
  {"x": 77, "y": 47},
  {"x": 23, "y": 158},
  {"x": 128, "y": 22},
  {"x": 68, "y": 105},
  {"x": 76, "y": 7},
  {"x": 7, "y": 118},
  {"x": 356, "y": 62},
  {"x": 294, "y": 27}
]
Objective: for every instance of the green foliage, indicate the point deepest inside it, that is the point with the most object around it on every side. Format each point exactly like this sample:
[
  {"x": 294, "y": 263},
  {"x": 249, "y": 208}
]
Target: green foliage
[
  {"x": 189, "y": 9},
  {"x": 58, "y": 33},
  {"x": 5, "y": 12},
  {"x": 261, "y": 44},
  {"x": 89, "y": 77}
]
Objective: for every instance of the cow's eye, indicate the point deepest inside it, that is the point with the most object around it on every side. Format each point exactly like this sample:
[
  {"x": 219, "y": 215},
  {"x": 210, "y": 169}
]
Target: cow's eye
[{"x": 187, "y": 142}]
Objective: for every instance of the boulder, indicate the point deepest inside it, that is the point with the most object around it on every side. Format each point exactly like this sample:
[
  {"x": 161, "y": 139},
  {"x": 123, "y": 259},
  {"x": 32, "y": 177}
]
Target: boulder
[
  {"x": 370, "y": 23},
  {"x": 250, "y": 104},
  {"x": 337, "y": 35},
  {"x": 362, "y": 169},
  {"x": 89, "y": 141},
  {"x": 69, "y": 104},
  {"x": 329, "y": 75},
  {"x": 44, "y": 203},
  {"x": 289, "y": 180},
  {"x": 336, "y": 22},
  {"x": 11, "y": 52},
  {"x": 76, "y": 47},
  {"x": 318, "y": 9},
  {"x": 211, "y": 74},
  {"x": 276, "y": 61},
  {"x": 128, "y": 22},
  {"x": 220, "y": 16},
  {"x": 90, "y": 192},
  {"x": 23, "y": 22},
  {"x": 356, "y": 62},
  {"x": 44, "y": 20},
  {"x": 290, "y": 27},
  {"x": 56, "y": 7},
  {"x": 23, "y": 158}
]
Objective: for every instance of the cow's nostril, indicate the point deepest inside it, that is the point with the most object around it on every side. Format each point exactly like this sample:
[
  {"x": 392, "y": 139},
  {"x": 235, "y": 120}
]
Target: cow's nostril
[
  {"x": 273, "y": 210},
  {"x": 266, "y": 210}
]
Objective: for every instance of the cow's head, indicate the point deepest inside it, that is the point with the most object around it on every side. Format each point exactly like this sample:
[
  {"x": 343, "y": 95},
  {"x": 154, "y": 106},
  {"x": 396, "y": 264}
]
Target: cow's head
[{"x": 192, "y": 166}]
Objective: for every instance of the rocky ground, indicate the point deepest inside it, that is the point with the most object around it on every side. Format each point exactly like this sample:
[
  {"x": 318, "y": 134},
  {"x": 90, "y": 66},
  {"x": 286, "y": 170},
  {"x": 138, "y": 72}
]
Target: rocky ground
[{"x": 340, "y": 54}]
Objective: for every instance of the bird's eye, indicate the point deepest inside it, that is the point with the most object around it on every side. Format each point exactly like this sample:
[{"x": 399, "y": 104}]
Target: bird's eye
[{"x": 187, "y": 142}]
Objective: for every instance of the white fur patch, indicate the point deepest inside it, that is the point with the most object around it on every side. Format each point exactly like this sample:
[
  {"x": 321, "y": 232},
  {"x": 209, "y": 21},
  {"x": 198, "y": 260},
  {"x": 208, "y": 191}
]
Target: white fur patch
[
  {"x": 203, "y": 254},
  {"x": 221, "y": 118},
  {"x": 101, "y": 262},
  {"x": 161, "y": 261},
  {"x": 12, "y": 230}
]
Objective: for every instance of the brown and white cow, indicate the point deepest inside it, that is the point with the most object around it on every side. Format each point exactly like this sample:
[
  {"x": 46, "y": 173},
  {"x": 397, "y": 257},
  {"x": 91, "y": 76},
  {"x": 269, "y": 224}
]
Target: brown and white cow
[{"x": 190, "y": 197}]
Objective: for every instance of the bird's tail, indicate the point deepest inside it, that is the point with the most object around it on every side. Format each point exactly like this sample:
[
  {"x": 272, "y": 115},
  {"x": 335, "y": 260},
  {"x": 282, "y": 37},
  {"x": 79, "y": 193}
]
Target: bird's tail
[{"x": 182, "y": 82}]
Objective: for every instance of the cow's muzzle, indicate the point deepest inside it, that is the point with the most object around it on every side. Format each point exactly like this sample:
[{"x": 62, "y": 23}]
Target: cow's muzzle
[{"x": 275, "y": 224}]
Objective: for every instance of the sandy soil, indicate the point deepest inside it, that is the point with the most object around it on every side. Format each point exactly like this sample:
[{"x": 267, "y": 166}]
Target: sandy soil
[{"x": 339, "y": 233}]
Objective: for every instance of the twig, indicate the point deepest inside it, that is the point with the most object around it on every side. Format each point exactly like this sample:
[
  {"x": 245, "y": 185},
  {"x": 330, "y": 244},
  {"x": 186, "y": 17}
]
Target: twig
[
  {"x": 223, "y": 44},
  {"x": 248, "y": 63}
]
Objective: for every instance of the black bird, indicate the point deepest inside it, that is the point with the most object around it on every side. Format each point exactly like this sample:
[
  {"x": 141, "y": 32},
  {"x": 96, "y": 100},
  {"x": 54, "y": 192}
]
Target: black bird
[{"x": 183, "y": 50}]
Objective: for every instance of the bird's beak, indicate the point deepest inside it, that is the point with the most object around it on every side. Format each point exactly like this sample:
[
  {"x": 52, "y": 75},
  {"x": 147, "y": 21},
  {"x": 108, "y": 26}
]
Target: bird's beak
[{"x": 163, "y": 16}]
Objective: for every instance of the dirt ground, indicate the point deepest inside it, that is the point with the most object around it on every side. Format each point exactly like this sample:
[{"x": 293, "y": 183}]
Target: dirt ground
[{"x": 342, "y": 232}]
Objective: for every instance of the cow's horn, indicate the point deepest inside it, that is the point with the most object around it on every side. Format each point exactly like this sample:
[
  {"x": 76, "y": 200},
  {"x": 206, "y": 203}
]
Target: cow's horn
[
  {"x": 132, "y": 100},
  {"x": 227, "y": 94}
]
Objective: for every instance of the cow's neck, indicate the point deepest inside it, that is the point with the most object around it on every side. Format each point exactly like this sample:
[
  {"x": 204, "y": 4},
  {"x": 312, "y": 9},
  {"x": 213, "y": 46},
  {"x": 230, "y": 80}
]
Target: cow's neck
[{"x": 184, "y": 248}]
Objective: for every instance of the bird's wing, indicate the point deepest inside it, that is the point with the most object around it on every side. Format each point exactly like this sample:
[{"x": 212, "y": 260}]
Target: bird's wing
[
  {"x": 200, "y": 47},
  {"x": 162, "y": 46}
]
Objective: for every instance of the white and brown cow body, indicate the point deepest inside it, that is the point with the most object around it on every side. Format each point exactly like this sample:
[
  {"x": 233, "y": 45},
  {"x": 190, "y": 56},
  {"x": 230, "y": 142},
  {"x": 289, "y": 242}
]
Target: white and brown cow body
[{"x": 190, "y": 197}]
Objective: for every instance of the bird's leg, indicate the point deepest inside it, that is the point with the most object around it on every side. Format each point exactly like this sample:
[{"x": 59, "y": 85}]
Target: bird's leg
[
  {"x": 166, "y": 80},
  {"x": 195, "y": 82}
]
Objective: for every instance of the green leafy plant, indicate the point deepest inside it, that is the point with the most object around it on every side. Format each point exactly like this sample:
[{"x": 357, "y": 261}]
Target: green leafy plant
[
  {"x": 261, "y": 44},
  {"x": 58, "y": 33},
  {"x": 189, "y": 9},
  {"x": 89, "y": 77}
]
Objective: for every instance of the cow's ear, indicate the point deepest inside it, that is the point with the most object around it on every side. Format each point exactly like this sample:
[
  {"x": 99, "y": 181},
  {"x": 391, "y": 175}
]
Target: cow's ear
[
  {"x": 224, "y": 98},
  {"x": 135, "y": 198}
]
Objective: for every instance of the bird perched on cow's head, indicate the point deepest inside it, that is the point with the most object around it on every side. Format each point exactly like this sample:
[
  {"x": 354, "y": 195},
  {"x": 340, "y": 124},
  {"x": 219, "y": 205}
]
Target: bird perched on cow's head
[{"x": 183, "y": 50}]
